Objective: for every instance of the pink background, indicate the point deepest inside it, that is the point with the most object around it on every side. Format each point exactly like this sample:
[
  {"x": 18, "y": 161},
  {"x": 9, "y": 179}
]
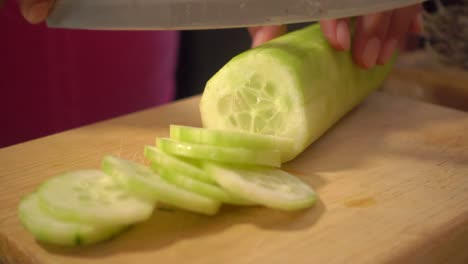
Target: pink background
[{"x": 53, "y": 79}]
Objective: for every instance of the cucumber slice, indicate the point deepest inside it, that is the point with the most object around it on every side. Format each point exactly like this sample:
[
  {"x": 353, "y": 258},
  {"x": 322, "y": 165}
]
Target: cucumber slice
[
  {"x": 295, "y": 86},
  {"x": 144, "y": 180},
  {"x": 91, "y": 196},
  {"x": 225, "y": 138},
  {"x": 184, "y": 166},
  {"x": 220, "y": 154},
  {"x": 49, "y": 229},
  {"x": 206, "y": 189},
  {"x": 132, "y": 175},
  {"x": 270, "y": 187}
]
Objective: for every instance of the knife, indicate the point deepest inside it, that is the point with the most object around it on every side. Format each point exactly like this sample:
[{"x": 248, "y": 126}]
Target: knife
[{"x": 205, "y": 14}]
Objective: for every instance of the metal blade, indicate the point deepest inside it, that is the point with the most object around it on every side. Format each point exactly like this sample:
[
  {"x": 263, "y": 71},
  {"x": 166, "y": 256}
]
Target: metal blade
[{"x": 205, "y": 14}]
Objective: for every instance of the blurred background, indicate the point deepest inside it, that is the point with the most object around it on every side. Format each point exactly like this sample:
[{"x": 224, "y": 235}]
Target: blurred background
[{"x": 433, "y": 69}]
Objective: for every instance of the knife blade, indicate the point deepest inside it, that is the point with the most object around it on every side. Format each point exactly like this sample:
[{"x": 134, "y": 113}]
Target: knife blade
[{"x": 205, "y": 14}]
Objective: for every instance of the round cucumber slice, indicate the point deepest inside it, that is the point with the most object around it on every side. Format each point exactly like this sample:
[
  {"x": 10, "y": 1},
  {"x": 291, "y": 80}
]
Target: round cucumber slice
[
  {"x": 229, "y": 138},
  {"x": 184, "y": 166},
  {"x": 49, "y": 229},
  {"x": 144, "y": 180},
  {"x": 270, "y": 187},
  {"x": 91, "y": 196},
  {"x": 220, "y": 154},
  {"x": 206, "y": 189}
]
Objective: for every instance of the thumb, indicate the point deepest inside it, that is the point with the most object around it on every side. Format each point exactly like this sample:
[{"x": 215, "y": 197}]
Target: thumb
[
  {"x": 261, "y": 35},
  {"x": 36, "y": 11}
]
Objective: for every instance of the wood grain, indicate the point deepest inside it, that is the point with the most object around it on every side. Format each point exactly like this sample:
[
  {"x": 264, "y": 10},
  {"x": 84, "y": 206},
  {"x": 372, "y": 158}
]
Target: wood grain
[
  {"x": 392, "y": 177},
  {"x": 419, "y": 76}
]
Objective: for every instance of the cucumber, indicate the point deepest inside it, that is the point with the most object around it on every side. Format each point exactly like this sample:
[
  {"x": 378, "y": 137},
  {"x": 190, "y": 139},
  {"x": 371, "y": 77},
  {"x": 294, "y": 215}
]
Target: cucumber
[
  {"x": 48, "y": 229},
  {"x": 132, "y": 175},
  {"x": 144, "y": 180},
  {"x": 206, "y": 189},
  {"x": 271, "y": 187},
  {"x": 91, "y": 196},
  {"x": 295, "y": 86},
  {"x": 180, "y": 164},
  {"x": 184, "y": 174},
  {"x": 225, "y": 138},
  {"x": 232, "y": 155}
]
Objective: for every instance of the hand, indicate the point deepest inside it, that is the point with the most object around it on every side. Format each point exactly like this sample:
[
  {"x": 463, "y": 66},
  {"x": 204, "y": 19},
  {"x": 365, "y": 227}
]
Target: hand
[
  {"x": 35, "y": 11},
  {"x": 376, "y": 38}
]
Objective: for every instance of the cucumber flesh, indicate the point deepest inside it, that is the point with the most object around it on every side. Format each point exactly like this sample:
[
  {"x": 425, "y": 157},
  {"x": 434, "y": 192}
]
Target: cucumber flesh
[
  {"x": 206, "y": 189},
  {"x": 180, "y": 164},
  {"x": 231, "y": 155},
  {"x": 49, "y": 229},
  {"x": 227, "y": 138},
  {"x": 271, "y": 187},
  {"x": 144, "y": 180},
  {"x": 91, "y": 196}
]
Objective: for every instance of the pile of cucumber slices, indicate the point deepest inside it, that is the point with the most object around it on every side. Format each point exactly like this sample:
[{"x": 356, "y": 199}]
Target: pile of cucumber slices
[{"x": 194, "y": 169}]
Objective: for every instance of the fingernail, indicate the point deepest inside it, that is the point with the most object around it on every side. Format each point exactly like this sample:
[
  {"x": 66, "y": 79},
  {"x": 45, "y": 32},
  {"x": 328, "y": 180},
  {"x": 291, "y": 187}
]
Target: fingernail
[
  {"x": 37, "y": 12},
  {"x": 342, "y": 35},
  {"x": 369, "y": 22},
  {"x": 371, "y": 52},
  {"x": 258, "y": 39},
  {"x": 387, "y": 51}
]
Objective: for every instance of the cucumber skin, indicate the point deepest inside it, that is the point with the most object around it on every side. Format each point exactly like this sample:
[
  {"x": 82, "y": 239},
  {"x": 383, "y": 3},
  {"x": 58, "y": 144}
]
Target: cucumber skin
[{"x": 327, "y": 82}]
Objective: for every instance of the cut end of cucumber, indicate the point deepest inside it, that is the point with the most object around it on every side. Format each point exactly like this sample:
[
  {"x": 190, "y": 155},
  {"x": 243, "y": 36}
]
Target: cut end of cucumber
[{"x": 255, "y": 93}]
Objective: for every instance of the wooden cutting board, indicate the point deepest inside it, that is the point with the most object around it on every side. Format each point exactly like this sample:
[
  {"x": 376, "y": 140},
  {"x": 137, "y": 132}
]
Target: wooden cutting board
[{"x": 392, "y": 179}]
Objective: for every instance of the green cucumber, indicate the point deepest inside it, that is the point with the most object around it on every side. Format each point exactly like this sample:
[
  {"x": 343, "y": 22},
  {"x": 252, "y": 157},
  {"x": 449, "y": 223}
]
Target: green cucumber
[
  {"x": 142, "y": 179},
  {"x": 232, "y": 155},
  {"x": 91, "y": 196},
  {"x": 226, "y": 138},
  {"x": 295, "y": 86},
  {"x": 48, "y": 229},
  {"x": 181, "y": 164},
  {"x": 206, "y": 189},
  {"x": 271, "y": 187}
]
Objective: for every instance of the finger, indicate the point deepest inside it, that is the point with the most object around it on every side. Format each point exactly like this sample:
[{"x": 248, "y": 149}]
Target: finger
[
  {"x": 36, "y": 11},
  {"x": 261, "y": 35},
  {"x": 343, "y": 34},
  {"x": 252, "y": 31},
  {"x": 399, "y": 27},
  {"x": 337, "y": 33},
  {"x": 328, "y": 27},
  {"x": 370, "y": 34}
]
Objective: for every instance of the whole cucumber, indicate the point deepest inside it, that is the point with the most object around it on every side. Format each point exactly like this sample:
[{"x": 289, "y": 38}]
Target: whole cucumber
[{"x": 294, "y": 86}]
